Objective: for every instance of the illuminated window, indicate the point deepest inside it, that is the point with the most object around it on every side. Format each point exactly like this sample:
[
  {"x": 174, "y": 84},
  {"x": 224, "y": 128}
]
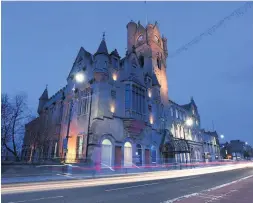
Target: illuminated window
[
  {"x": 84, "y": 102},
  {"x": 157, "y": 39}
]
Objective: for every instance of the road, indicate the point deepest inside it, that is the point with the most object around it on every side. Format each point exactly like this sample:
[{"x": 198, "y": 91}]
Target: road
[{"x": 136, "y": 192}]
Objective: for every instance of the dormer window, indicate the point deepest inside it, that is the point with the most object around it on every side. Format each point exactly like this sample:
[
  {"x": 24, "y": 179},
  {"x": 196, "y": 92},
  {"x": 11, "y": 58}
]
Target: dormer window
[{"x": 140, "y": 38}]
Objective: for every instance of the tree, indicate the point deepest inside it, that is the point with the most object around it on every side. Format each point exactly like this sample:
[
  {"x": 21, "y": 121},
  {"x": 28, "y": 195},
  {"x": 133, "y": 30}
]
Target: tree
[
  {"x": 246, "y": 154},
  {"x": 14, "y": 115}
]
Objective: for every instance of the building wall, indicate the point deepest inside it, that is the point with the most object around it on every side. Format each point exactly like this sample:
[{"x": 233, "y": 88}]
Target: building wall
[{"x": 126, "y": 101}]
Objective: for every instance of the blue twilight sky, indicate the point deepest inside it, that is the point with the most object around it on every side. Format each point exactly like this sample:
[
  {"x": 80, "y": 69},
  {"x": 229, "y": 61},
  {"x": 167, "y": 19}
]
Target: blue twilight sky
[{"x": 40, "y": 41}]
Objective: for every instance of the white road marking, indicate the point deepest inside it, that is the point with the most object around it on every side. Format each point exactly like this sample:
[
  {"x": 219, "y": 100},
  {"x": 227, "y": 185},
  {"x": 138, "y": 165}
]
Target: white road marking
[
  {"x": 187, "y": 178},
  {"x": 48, "y": 165},
  {"x": 43, "y": 198},
  {"x": 122, "y": 188},
  {"x": 208, "y": 190},
  {"x": 145, "y": 184}
]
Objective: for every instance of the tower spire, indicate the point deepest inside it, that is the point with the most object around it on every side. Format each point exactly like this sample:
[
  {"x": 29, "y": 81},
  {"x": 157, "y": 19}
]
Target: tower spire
[{"x": 103, "y": 36}]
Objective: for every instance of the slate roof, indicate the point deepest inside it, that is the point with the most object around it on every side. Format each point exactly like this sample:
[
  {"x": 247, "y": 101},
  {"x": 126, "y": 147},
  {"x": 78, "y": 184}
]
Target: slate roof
[
  {"x": 102, "y": 49},
  {"x": 115, "y": 53}
]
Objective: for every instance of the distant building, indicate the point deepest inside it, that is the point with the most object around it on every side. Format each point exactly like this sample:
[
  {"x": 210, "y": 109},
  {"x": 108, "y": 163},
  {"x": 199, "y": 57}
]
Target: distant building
[
  {"x": 211, "y": 145},
  {"x": 236, "y": 149},
  {"x": 120, "y": 115}
]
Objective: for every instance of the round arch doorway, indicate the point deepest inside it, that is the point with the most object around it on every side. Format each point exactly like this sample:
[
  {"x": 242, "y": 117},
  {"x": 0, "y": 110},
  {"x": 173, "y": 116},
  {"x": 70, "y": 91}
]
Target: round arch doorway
[
  {"x": 106, "y": 153},
  {"x": 128, "y": 154}
]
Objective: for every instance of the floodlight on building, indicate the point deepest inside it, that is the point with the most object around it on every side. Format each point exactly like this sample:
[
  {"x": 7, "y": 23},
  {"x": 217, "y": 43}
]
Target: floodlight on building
[
  {"x": 189, "y": 121},
  {"x": 151, "y": 120},
  {"x": 149, "y": 93},
  {"x": 114, "y": 76},
  {"x": 112, "y": 108}
]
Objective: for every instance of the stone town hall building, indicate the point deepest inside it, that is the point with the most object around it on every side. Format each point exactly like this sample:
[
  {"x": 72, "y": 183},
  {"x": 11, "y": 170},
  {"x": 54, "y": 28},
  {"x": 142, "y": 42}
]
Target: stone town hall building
[{"x": 125, "y": 105}]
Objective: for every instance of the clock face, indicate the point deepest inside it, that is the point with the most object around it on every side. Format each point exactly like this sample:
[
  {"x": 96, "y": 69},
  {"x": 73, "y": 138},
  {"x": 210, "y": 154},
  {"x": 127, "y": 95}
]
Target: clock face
[
  {"x": 140, "y": 38},
  {"x": 156, "y": 39}
]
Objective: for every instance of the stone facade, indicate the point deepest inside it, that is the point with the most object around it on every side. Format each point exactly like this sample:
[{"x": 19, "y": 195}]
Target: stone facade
[{"x": 121, "y": 110}]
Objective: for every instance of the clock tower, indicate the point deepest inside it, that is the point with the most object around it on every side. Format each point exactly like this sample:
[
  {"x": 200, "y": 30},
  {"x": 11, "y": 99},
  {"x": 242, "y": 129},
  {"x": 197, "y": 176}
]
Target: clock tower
[{"x": 149, "y": 43}]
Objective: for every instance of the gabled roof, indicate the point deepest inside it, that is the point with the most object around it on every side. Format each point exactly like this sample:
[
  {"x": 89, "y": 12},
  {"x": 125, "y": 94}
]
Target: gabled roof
[
  {"x": 115, "y": 53},
  {"x": 82, "y": 53},
  {"x": 102, "y": 49}
]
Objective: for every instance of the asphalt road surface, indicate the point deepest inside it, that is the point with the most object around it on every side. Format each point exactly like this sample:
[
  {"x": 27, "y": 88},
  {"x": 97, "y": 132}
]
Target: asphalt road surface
[{"x": 136, "y": 192}]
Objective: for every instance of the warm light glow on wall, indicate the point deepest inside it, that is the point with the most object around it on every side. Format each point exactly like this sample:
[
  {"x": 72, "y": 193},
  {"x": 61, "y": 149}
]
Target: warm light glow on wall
[
  {"x": 114, "y": 76},
  {"x": 151, "y": 120},
  {"x": 149, "y": 93},
  {"x": 112, "y": 108}
]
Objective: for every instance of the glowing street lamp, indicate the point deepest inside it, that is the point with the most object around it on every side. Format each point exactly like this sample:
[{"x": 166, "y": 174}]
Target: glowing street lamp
[
  {"x": 79, "y": 77},
  {"x": 246, "y": 143},
  {"x": 221, "y": 136},
  {"x": 189, "y": 121}
]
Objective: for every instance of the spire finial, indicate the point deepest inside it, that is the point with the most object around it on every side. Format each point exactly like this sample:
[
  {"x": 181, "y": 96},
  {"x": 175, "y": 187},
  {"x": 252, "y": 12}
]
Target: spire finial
[
  {"x": 103, "y": 35},
  {"x": 46, "y": 86}
]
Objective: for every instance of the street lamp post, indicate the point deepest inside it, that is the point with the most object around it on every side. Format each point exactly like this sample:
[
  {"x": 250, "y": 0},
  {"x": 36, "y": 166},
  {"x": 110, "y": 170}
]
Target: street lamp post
[
  {"x": 88, "y": 133},
  {"x": 189, "y": 123},
  {"x": 79, "y": 77},
  {"x": 67, "y": 136}
]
